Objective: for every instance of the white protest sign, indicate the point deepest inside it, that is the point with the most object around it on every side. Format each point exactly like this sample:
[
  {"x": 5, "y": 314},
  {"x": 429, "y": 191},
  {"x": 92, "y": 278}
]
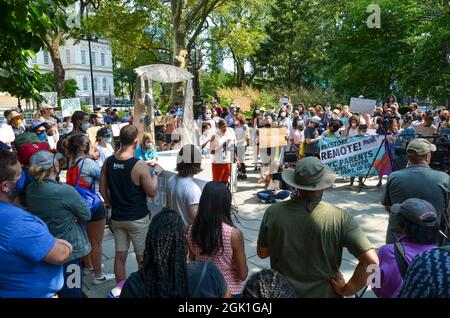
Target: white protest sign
[
  {"x": 50, "y": 98},
  {"x": 362, "y": 106},
  {"x": 284, "y": 100},
  {"x": 7, "y": 134},
  {"x": 69, "y": 106}
]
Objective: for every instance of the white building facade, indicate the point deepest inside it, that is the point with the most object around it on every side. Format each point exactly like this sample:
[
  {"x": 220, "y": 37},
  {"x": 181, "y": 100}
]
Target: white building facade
[{"x": 75, "y": 60}]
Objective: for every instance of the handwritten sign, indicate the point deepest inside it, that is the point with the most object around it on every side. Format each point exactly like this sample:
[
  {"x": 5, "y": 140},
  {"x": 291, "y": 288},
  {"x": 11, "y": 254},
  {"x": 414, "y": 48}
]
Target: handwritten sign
[
  {"x": 50, "y": 98},
  {"x": 362, "y": 106},
  {"x": 69, "y": 106}
]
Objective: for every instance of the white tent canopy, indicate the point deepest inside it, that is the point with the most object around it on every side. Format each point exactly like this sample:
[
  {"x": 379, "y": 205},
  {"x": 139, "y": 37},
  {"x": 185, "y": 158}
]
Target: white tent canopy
[{"x": 144, "y": 96}]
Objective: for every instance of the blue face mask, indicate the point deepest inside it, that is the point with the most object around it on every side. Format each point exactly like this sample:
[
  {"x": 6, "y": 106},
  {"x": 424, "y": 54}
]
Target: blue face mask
[
  {"x": 43, "y": 136},
  {"x": 20, "y": 185}
]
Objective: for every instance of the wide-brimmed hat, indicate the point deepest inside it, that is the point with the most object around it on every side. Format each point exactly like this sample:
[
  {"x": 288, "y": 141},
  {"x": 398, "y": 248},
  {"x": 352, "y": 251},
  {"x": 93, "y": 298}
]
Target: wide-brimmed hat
[
  {"x": 46, "y": 105},
  {"x": 13, "y": 115},
  {"x": 309, "y": 174}
]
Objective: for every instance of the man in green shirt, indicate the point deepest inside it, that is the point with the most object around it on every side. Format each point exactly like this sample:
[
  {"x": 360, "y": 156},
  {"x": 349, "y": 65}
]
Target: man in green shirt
[{"x": 305, "y": 236}]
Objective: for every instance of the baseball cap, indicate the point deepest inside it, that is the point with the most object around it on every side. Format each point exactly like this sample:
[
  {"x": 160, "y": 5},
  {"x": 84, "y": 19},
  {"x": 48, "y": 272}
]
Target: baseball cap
[
  {"x": 316, "y": 119},
  {"x": 4, "y": 147},
  {"x": 103, "y": 132},
  {"x": 38, "y": 124},
  {"x": 27, "y": 150},
  {"x": 417, "y": 211},
  {"x": 44, "y": 159},
  {"x": 421, "y": 146}
]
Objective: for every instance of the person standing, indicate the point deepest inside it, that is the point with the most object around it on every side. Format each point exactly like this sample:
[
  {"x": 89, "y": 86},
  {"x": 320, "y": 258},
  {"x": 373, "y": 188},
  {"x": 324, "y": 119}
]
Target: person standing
[
  {"x": 401, "y": 185},
  {"x": 125, "y": 183},
  {"x": 104, "y": 140},
  {"x": 84, "y": 172},
  {"x": 313, "y": 234},
  {"x": 242, "y": 134},
  {"x": 63, "y": 210},
  {"x": 222, "y": 149},
  {"x": 312, "y": 138},
  {"x": 16, "y": 119},
  {"x": 213, "y": 237},
  {"x": 183, "y": 194},
  {"x": 146, "y": 150},
  {"x": 31, "y": 258}
]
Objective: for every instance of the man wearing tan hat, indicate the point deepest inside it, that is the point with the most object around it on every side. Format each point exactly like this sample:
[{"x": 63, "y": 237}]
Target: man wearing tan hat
[
  {"x": 305, "y": 236},
  {"x": 15, "y": 119},
  {"x": 417, "y": 180}
]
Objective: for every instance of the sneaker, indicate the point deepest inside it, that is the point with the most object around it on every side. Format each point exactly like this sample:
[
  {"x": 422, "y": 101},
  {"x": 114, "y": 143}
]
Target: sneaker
[
  {"x": 90, "y": 271},
  {"x": 103, "y": 279}
]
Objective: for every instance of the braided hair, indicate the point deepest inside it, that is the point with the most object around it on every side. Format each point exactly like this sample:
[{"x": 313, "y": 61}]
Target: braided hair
[
  {"x": 268, "y": 284},
  {"x": 164, "y": 269}
]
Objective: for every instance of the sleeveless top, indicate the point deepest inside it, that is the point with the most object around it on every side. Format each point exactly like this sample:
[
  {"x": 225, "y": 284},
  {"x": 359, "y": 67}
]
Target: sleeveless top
[
  {"x": 129, "y": 201},
  {"x": 223, "y": 261}
]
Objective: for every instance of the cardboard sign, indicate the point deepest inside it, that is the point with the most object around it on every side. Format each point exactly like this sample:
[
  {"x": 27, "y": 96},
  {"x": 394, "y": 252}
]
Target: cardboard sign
[
  {"x": 116, "y": 128},
  {"x": 69, "y": 106},
  {"x": 272, "y": 137},
  {"x": 362, "y": 106},
  {"x": 284, "y": 100},
  {"x": 50, "y": 98},
  {"x": 244, "y": 103},
  {"x": 92, "y": 133}
]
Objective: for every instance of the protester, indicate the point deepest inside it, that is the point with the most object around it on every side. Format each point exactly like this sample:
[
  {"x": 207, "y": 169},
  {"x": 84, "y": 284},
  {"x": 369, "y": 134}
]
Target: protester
[
  {"x": 125, "y": 183},
  {"x": 104, "y": 140},
  {"x": 352, "y": 129},
  {"x": 362, "y": 132},
  {"x": 80, "y": 121},
  {"x": 205, "y": 139},
  {"x": 40, "y": 129},
  {"x": 400, "y": 185},
  {"x": 333, "y": 130},
  {"x": 31, "y": 258},
  {"x": 408, "y": 132},
  {"x": 316, "y": 233},
  {"x": 16, "y": 119},
  {"x": 426, "y": 130},
  {"x": 241, "y": 131},
  {"x": 213, "y": 237},
  {"x": 419, "y": 118},
  {"x": 84, "y": 172},
  {"x": 428, "y": 275},
  {"x": 297, "y": 136},
  {"x": 63, "y": 210},
  {"x": 165, "y": 273},
  {"x": 268, "y": 284},
  {"x": 419, "y": 225},
  {"x": 444, "y": 124},
  {"x": 345, "y": 116},
  {"x": 222, "y": 143},
  {"x": 146, "y": 150},
  {"x": 312, "y": 138},
  {"x": 391, "y": 100}
]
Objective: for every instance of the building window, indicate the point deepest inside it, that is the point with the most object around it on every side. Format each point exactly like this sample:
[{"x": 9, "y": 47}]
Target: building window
[
  {"x": 85, "y": 84},
  {"x": 34, "y": 60},
  {"x": 46, "y": 58},
  {"x": 83, "y": 57},
  {"x": 67, "y": 56},
  {"x": 102, "y": 58},
  {"x": 93, "y": 57},
  {"x": 95, "y": 84},
  {"x": 104, "y": 84},
  {"x": 97, "y": 101}
]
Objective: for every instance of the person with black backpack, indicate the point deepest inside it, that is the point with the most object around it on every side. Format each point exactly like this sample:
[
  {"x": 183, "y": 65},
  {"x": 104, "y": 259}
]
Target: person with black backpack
[{"x": 420, "y": 227}]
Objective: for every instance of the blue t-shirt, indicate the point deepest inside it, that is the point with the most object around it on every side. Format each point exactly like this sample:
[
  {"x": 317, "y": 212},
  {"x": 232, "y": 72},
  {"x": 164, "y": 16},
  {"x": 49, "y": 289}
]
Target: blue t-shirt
[
  {"x": 24, "y": 243},
  {"x": 147, "y": 155}
]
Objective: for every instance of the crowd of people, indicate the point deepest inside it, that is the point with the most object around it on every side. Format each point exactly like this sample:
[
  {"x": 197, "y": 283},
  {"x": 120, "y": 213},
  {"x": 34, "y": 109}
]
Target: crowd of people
[{"x": 52, "y": 227}]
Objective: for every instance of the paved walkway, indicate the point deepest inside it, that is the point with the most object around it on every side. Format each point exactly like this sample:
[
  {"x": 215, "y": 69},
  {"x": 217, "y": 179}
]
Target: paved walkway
[{"x": 364, "y": 206}]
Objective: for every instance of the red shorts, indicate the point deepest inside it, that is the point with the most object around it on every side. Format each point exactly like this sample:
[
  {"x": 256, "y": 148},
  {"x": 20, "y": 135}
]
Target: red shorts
[{"x": 221, "y": 172}]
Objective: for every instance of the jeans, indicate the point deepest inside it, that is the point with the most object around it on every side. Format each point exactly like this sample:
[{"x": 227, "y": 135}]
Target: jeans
[{"x": 71, "y": 279}]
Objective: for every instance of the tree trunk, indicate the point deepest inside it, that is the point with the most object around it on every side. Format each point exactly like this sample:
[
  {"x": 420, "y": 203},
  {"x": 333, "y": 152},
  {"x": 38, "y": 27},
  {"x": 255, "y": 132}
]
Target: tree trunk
[
  {"x": 179, "y": 60},
  {"x": 53, "y": 44}
]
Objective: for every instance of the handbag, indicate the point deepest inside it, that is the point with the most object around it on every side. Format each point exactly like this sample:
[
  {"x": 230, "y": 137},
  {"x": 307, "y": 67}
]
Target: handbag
[{"x": 89, "y": 196}]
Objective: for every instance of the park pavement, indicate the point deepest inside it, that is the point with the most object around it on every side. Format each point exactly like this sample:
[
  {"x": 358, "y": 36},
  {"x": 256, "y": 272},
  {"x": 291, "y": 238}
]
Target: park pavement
[{"x": 364, "y": 206}]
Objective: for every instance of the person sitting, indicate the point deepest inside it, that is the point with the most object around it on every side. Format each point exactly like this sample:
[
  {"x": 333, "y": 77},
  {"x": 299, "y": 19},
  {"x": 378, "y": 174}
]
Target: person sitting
[
  {"x": 146, "y": 150},
  {"x": 213, "y": 237},
  {"x": 418, "y": 222},
  {"x": 31, "y": 258},
  {"x": 316, "y": 233},
  {"x": 62, "y": 209},
  {"x": 165, "y": 272},
  {"x": 426, "y": 130},
  {"x": 268, "y": 284}
]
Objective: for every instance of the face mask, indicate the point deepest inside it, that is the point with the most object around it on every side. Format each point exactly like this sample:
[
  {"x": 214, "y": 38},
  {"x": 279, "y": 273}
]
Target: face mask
[
  {"x": 257, "y": 111},
  {"x": 208, "y": 116},
  {"x": 148, "y": 146},
  {"x": 18, "y": 122},
  {"x": 100, "y": 121},
  {"x": 206, "y": 132},
  {"x": 42, "y": 136},
  {"x": 20, "y": 184},
  {"x": 353, "y": 124},
  {"x": 108, "y": 140},
  {"x": 283, "y": 114},
  {"x": 84, "y": 127},
  {"x": 236, "y": 123},
  {"x": 299, "y": 123}
]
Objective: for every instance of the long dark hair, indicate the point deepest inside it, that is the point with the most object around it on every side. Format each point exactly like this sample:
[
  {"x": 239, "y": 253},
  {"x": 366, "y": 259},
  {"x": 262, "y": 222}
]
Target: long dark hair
[
  {"x": 213, "y": 210},
  {"x": 164, "y": 269}
]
